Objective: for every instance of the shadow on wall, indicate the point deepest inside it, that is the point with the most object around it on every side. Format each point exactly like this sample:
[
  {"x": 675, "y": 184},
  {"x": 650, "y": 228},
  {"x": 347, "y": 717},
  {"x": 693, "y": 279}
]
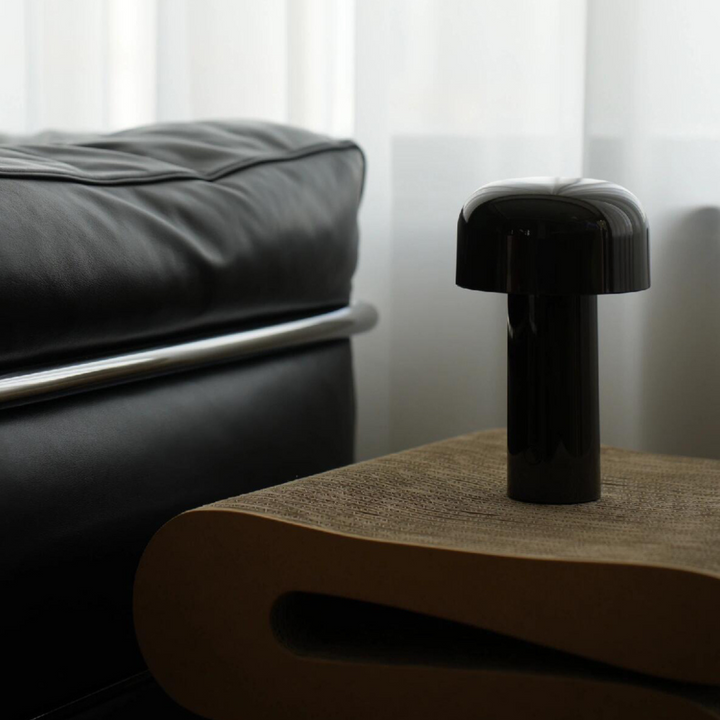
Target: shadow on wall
[{"x": 681, "y": 382}]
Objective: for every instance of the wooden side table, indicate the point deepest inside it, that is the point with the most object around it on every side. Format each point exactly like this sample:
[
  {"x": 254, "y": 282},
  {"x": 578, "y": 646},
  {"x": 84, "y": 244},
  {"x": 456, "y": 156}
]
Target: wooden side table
[{"x": 412, "y": 587}]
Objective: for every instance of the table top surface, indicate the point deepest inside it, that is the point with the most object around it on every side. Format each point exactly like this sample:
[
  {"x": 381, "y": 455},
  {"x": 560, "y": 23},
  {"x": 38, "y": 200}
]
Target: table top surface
[{"x": 655, "y": 509}]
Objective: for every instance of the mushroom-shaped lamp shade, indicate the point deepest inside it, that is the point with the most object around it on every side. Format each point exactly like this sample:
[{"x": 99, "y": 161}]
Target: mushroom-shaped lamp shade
[{"x": 552, "y": 245}]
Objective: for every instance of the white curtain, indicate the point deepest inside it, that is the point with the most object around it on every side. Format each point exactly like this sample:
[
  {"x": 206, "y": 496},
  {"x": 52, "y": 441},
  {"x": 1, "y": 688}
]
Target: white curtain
[{"x": 444, "y": 95}]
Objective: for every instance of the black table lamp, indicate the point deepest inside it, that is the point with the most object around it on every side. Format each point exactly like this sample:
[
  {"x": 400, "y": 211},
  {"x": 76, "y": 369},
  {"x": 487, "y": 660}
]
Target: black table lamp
[{"x": 552, "y": 245}]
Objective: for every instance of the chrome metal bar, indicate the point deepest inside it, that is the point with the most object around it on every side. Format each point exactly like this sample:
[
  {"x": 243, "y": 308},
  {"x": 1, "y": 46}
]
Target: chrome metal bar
[{"x": 80, "y": 377}]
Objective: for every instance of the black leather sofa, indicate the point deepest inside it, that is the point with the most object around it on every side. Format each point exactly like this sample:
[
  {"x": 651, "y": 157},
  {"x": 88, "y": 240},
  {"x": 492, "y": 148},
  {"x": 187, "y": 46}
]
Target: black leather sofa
[{"x": 127, "y": 246}]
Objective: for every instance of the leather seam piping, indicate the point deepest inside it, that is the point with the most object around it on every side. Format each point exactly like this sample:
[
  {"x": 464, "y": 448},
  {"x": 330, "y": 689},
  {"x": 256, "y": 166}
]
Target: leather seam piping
[{"x": 181, "y": 174}]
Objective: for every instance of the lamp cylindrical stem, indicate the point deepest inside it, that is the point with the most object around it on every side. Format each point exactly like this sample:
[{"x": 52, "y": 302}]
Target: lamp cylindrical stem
[{"x": 553, "y": 399}]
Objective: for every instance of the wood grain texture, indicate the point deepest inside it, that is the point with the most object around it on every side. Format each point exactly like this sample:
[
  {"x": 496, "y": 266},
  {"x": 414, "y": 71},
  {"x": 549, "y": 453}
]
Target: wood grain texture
[{"x": 605, "y": 610}]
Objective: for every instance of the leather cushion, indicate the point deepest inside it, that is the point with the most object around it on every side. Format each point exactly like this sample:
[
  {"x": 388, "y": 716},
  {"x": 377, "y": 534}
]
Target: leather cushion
[{"x": 169, "y": 231}]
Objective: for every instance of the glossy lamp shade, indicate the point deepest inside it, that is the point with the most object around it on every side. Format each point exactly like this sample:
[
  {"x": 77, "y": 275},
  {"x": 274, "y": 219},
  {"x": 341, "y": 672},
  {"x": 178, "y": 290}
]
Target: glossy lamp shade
[
  {"x": 552, "y": 245},
  {"x": 553, "y": 236}
]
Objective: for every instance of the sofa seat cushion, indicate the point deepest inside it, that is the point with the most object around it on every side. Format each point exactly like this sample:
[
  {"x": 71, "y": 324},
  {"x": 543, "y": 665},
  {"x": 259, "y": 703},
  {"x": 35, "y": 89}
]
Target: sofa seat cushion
[{"x": 172, "y": 231}]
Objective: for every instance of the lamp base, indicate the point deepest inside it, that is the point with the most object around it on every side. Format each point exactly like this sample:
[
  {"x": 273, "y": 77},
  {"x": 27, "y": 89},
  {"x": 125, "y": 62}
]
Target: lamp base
[{"x": 553, "y": 399}]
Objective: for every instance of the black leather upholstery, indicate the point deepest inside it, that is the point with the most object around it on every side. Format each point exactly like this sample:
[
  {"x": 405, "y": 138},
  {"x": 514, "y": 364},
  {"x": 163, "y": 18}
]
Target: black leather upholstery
[
  {"x": 166, "y": 232},
  {"x": 170, "y": 230},
  {"x": 88, "y": 479},
  {"x": 137, "y": 697}
]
